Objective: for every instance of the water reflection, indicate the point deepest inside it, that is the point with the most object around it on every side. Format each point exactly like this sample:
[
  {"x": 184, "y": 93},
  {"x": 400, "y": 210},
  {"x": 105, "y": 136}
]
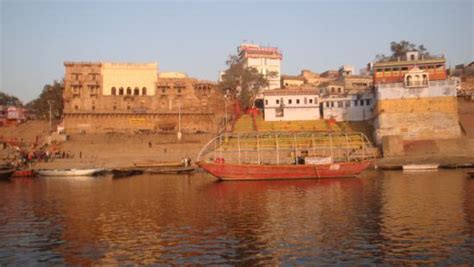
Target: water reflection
[{"x": 379, "y": 218}]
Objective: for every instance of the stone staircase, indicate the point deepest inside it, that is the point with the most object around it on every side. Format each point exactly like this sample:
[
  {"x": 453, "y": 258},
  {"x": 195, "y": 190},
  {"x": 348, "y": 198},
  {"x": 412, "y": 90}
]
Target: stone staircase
[{"x": 244, "y": 124}]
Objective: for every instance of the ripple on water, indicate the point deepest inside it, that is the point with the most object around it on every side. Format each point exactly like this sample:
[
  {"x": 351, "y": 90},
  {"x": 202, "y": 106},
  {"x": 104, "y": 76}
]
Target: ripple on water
[{"x": 381, "y": 218}]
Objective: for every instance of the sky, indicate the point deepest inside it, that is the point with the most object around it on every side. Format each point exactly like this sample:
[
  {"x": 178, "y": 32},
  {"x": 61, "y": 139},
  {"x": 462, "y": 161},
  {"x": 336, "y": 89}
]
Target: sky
[{"x": 36, "y": 37}]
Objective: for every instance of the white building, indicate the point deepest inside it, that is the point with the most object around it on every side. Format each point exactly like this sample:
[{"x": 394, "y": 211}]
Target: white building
[
  {"x": 348, "y": 107},
  {"x": 266, "y": 60},
  {"x": 291, "y": 104}
]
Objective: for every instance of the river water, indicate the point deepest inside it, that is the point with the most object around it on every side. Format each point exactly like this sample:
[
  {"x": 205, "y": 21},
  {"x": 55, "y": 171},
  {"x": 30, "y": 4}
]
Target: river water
[{"x": 379, "y": 218}]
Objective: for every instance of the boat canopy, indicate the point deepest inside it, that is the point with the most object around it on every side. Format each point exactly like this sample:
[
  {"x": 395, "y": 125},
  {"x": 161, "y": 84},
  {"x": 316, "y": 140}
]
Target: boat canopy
[{"x": 286, "y": 147}]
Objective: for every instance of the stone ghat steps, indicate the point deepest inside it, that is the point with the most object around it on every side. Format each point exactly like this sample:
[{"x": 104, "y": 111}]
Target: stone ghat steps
[
  {"x": 293, "y": 126},
  {"x": 244, "y": 124}
]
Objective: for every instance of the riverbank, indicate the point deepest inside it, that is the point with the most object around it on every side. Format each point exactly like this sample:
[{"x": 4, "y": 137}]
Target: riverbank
[{"x": 118, "y": 150}]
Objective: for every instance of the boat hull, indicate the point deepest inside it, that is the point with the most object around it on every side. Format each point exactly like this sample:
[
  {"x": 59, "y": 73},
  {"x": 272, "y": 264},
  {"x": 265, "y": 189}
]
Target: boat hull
[
  {"x": 6, "y": 173},
  {"x": 420, "y": 167},
  {"x": 72, "y": 172},
  {"x": 229, "y": 172}
]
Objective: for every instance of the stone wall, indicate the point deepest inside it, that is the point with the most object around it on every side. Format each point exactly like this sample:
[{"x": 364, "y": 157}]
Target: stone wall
[
  {"x": 99, "y": 123},
  {"x": 417, "y": 118}
]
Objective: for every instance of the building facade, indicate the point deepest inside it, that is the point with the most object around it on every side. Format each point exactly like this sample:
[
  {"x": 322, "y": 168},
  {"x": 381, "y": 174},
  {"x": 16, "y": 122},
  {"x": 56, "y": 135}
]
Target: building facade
[
  {"x": 414, "y": 99},
  {"x": 291, "y": 104},
  {"x": 267, "y": 60},
  {"x": 107, "y": 97}
]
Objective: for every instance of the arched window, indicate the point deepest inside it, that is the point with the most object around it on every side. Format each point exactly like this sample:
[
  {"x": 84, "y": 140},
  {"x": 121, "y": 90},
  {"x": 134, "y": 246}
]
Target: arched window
[
  {"x": 136, "y": 91},
  {"x": 121, "y": 91},
  {"x": 144, "y": 91},
  {"x": 412, "y": 57},
  {"x": 129, "y": 91},
  {"x": 425, "y": 79},
  {"x": 114, "y": 91},
  {"x": 408, "y": 83}
]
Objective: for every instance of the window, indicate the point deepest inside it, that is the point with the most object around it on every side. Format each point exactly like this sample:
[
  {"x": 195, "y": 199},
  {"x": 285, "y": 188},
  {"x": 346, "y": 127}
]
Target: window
[
  {"x": 412, "y": 57},
  {"x": 404, "y": 68},
  {"x": 367, "y": 102},
  {"x": 266, "y": 102},
  {"x": 332, "y": 104},
  {"x": 339, "y": 90},
  {"x": 297, "y": 101},
  {"x": 93, "y": 107},
  {"x": 136, "y": 91},
  {"x": 144, "y": 91},
  {"x": 339, "y": 104},
  {"x": 311, "y": 101},
  {"x": 121, "y": 91},
  {"x": 114, "y": 91},
  {"x": 361, "y": 102},
  {"x": 76, "y": 107},
  {"x": 128, "y": 107},
  {"x": 129, "y": 91},
  {"x": 278, "y": 101},
  {"x": 356, "y": 103},
  {"x": 348, "y": 103},
  {"x": 289, "y": 101}
]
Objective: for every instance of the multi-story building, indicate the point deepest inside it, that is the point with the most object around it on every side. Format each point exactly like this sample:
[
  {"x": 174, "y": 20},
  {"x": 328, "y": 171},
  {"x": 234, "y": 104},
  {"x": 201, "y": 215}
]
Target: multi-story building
[
  {"x": 101, "y": 97},
  {"x": 266, "y": 60},
  {"x": 414, "y": 98}
]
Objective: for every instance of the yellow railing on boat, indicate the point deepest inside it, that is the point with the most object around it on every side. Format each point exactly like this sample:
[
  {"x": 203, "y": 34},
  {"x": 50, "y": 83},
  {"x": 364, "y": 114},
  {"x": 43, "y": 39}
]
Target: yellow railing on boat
[{"x": 285, "y": 147}]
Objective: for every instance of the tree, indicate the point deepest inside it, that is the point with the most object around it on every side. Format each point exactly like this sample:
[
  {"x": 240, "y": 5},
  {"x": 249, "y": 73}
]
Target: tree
[
  {"x": 241, "y": 83},
  {"x": 52, "y": 93},
  {"x": 399, "y": 49},
  {"x": 9, "y": 100}
]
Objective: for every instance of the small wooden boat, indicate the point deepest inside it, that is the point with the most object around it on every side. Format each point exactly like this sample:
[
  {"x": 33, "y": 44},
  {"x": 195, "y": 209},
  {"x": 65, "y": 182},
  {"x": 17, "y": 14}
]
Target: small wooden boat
[
  {"x": 120, "y": 173},
  {"x": 6, "y": 173},
  {"x": 152, "y": 164},
  {"x": 24, "y": 173},
  {"x": 420, "y": 167},
  {"x": 70, "y": 172},
  {"x": 168, "y": 170},
  {"x": 389, "y": 167}
]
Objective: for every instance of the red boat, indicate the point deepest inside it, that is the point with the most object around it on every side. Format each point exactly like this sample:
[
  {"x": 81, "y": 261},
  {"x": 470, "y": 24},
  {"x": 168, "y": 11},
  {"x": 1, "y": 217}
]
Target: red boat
[
  {"x": 229, "y": 172},
  {"x": 24, "y": 173},
  {"x": 268, "y": 156}
]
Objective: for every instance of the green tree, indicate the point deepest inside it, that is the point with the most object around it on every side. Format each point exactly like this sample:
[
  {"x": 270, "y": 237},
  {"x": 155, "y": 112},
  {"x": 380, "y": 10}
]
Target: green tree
[
  {"x": 52, "y": 93},
  {"x": 399, "y": 49},
  {"x": 240, "y": 82},
  {"x": 9, "y": 100}
]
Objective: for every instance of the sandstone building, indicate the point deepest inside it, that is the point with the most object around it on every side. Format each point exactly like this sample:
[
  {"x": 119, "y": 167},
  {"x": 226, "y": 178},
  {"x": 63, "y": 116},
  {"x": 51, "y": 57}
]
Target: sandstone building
[
  {"x": 107, "y": 97},
  {"x": 414, "y": 99}
]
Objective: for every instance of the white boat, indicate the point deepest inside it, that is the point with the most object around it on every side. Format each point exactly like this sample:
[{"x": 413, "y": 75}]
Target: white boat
[
  {"x": 70, "y": 172},
  {"x": 420, "y": 167}
]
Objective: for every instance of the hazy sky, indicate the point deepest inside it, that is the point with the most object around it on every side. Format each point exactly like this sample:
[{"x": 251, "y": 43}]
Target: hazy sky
[{"x": 196, "y": 37}]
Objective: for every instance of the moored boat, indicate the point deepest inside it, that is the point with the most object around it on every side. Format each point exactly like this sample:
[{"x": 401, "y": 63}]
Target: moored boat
[
  {"x": 6, "y": 173},
  {"x": 24, "y": 173},
  {"x": 153, "y": 164},
  {"x": 420, "y": 167},
  {"x": 273, "y": 155},
  {"x": 170, "y": 170},
  {"x": 70, "y": 172}
]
